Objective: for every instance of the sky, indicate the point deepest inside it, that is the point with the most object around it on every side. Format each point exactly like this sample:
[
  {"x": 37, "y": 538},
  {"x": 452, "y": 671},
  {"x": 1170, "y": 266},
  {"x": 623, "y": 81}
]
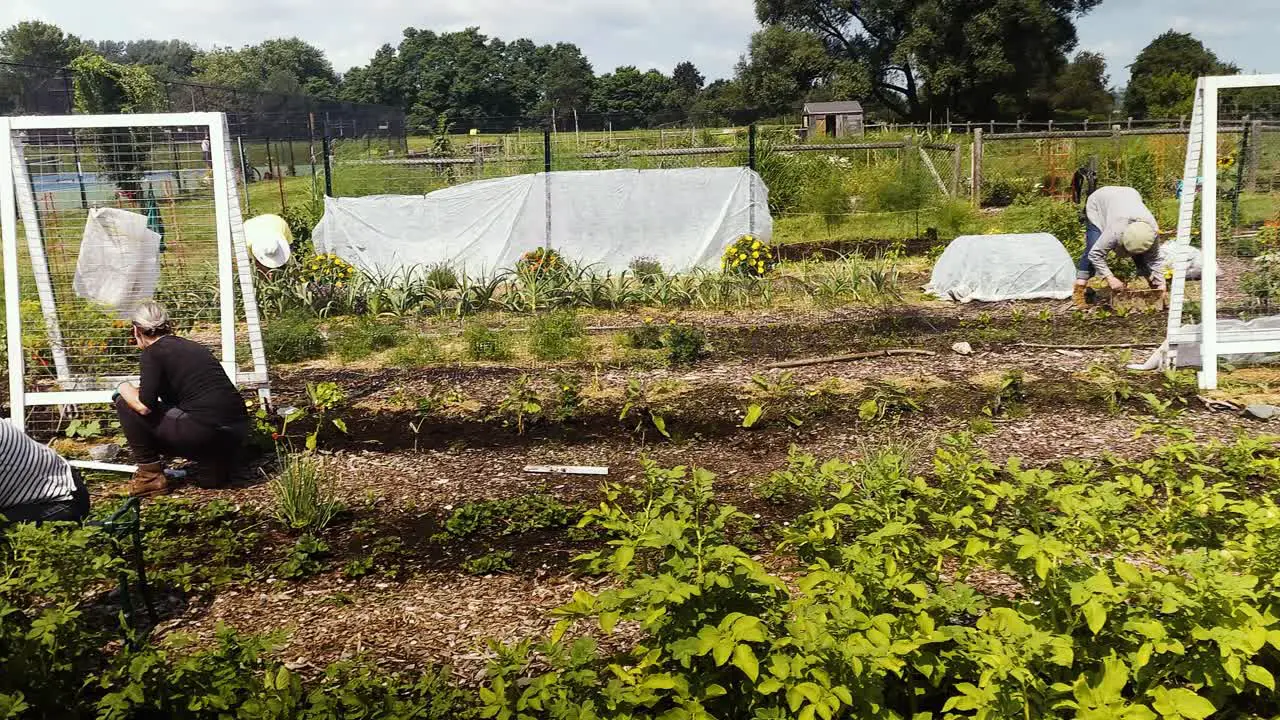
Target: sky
[{"x": 645, "y": 33}]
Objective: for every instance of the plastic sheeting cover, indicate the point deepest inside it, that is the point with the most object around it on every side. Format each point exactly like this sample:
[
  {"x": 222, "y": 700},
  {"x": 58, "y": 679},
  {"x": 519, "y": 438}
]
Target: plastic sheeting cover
[
  {"x": 1189, "y": 353},
  {"x": 119, "y": 262},
  {"x": 683, "y": 218},
  {"x": 994, "y": 268}
]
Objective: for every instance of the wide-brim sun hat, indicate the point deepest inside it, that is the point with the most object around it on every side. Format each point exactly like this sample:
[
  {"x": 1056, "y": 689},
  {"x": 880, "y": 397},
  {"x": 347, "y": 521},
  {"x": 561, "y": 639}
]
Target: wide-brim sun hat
[
  {"x": 1138, "y": 238},
  {"x": 268, "y": 238}
]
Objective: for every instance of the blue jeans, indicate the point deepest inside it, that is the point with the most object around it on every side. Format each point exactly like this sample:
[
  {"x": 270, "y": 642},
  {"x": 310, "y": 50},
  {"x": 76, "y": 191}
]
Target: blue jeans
[{"x": 1084, "y": 268}]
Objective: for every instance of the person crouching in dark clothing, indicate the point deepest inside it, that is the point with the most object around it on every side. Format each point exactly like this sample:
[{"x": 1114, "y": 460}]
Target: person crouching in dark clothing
[{"x": 184, "y": 404}]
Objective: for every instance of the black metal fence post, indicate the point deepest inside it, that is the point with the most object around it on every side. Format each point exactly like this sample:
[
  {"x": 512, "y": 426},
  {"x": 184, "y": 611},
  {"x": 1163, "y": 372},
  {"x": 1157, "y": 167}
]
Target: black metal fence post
[
  {"x": 751, "y": 146},
  {"x": 325, "y": 145},
  {"x": 75, "y": 144},
  {"x": 1243, "y": 155}
]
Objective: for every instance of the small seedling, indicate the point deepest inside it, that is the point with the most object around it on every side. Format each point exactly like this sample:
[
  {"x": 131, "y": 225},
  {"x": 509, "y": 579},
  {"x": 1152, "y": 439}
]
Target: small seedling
[
  {"x": 520, "y": 404},
  {"x": 84, "y": 429},
  {"x": 639, "y": 408}
]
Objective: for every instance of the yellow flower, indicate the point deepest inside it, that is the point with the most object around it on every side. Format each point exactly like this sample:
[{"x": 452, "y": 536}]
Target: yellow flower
[
  {"x": 755, "y": 255},
  {"x": 755, "y": 245},
  {"x": 742, "y": 256},
  {"x": 339, "y": 284}
]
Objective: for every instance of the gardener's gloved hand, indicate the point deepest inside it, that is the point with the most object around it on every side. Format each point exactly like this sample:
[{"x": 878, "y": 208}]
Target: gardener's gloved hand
[{"x": 1115, "y": 283}]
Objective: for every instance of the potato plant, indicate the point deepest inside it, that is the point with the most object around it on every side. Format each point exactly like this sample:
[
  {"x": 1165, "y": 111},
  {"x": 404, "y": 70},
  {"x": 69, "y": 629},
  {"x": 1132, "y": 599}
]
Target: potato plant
[{"x": 1119, "y": 590}]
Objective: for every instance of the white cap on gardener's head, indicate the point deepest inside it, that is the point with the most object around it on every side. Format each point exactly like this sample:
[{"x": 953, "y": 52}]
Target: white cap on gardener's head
[
  {"x": 1138, "y": 237},
  {"x": 268, "y": 237}
]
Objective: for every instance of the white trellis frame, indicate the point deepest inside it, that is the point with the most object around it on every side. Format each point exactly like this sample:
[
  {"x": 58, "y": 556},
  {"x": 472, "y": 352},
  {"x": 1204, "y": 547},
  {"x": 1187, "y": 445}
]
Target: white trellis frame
[
  {"x": 1202, "y": 152},
  {"x": 17, "y": 195}
]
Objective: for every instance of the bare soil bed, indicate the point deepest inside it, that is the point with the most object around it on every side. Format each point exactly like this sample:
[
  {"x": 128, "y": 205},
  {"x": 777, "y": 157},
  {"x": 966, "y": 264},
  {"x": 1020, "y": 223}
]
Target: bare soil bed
[{"x": 404, "y": 484}]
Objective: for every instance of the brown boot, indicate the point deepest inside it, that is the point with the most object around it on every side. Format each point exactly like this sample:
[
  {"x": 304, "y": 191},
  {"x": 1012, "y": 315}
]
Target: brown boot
[
  {"x": 149, "y": 479},
  {"x": 1078, "y": 297}
]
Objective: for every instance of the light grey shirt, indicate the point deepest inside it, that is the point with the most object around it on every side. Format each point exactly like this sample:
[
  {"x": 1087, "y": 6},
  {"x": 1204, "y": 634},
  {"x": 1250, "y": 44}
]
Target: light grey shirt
[
  {"x": 30, "y": 473},
  {"x": 1111, "y": 210}
]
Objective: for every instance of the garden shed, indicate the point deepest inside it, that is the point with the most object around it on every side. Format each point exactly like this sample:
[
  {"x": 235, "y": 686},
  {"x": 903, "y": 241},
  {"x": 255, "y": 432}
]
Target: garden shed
[{"x": 833, "y": 119}]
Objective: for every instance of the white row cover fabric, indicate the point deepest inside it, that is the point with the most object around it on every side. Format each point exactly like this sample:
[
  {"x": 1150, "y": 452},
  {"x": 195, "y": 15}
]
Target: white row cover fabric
[
  {"x": 119, "y": 262},
  {"x": 995, "y": 268},
  {"x": 682, "y": 218},
  {"x": 1189, "y": 353}
]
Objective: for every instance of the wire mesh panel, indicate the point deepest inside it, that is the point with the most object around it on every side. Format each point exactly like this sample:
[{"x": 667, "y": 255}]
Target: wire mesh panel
[
  {"x": 1248, "y": 203},
  {"x": 1233, "y": 312},
  {"x": 111, "y": 211}
]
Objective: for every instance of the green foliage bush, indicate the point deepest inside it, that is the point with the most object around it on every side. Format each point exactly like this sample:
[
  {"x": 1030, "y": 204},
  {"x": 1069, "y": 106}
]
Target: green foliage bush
[
  {"x": 1138, "y": 589},
  {"x": 644, "y": 337},
  {"x": 1036, "y": 214},
  {"x": 62, "y": 655},
  {"x": 481, "y": 343},
  {"x": 685, "y": 345},
  {"x": 511, "y": 516},
  {"x": 646, "y": 269},
  {"x": 1261, "y": 283},
  {"x": 421, "y": 351},
  {"x": 488, "y": 563},
  {"x": 909, "y": 189},
  {"x": 1002, "y": 191},
  {"x": 301, "y": 219},
  {"x": 362, "y": 337},
  {"x": 956, "y": 218},
  {"x": 829, "y": 201},
  {"x": 305, "y": 559},
  {"x": 293, "y": 338},
  {"x": 557, "y": 335},
  {"x": 442, "y": 277}
]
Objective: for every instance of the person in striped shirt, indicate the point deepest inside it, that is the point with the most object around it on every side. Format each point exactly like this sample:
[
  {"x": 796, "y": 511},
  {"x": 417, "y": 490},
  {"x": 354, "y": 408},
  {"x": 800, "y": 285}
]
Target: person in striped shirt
[{"x": 36, "y": 484}]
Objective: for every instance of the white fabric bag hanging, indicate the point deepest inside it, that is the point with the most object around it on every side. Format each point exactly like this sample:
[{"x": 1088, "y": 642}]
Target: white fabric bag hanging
[{"x": 119, "y": 262}]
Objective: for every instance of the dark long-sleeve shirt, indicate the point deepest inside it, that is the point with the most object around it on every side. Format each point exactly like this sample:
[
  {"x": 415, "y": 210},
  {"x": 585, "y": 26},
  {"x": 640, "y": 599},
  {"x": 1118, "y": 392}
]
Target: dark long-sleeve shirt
[{"x": 178, "y": 372}]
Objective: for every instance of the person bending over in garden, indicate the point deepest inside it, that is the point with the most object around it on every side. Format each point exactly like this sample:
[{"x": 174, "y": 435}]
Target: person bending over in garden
[
  {"x": 36, "y": 484},
  {"x": 1118, "y": 221},
  {"x": 184, "y": 404}
]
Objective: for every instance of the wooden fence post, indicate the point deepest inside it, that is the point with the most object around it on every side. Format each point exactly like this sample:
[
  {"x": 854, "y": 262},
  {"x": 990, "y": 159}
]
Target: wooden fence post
[
  {"x": 975, "y": 168},
  {"x": 955, "y": 172}
]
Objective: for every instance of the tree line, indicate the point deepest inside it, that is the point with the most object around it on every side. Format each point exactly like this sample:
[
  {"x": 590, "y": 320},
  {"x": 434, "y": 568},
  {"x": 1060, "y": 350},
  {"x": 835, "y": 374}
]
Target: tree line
[{"x": 907, "y": 60}]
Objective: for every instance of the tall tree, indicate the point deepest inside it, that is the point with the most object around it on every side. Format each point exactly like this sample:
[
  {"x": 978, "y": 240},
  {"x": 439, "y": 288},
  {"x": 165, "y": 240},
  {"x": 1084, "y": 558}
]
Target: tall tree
[
  {"x": 976, "y": 58},
  {"x": 1162, "y": 82},
  {"x": 687, "y": 82},
  {"x": 381, "y": 82},
  {"x": 166, "y": 59},
  {"x": 782, "y": 66},
  {"x": 630, "y": 98},
  {"x": 568, "y": 80},
  {"x": 687, "y": 78},
  {"x": 1082, "y": 90},
  {"x": 32, "y": 42},
  {"x": 280, "y": 65},
  {"x": 41, "y": 45}
]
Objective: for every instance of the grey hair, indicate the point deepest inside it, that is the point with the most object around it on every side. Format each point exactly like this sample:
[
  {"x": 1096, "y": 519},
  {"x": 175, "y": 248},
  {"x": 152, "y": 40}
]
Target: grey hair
[{"x": 151, "y": 318}]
